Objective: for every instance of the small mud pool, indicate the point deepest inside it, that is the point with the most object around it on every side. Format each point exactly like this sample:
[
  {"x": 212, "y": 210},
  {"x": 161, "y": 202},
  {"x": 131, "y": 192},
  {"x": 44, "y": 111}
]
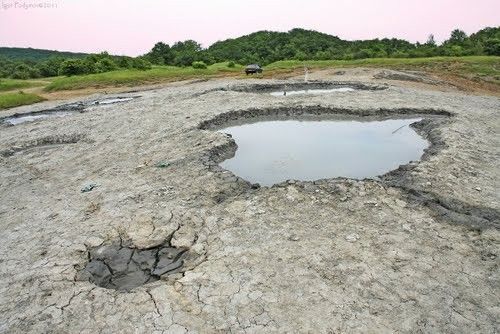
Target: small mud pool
[
  {"x": 124, "y": 268},
  {"x": 313, "y": 91},
  {"x": 34, "y": 117},
  {"x": 270, "y": 152}
]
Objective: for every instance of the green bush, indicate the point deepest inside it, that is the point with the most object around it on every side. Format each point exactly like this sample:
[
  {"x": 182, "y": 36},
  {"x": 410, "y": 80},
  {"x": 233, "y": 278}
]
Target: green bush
[
  {"x": 75, "y": 67},
  {"x": 141, "y": 64},
  {"x": 199, "y": 65},
  {"x": 231, "y": 64},
  {"x": 105, "y": 65}
]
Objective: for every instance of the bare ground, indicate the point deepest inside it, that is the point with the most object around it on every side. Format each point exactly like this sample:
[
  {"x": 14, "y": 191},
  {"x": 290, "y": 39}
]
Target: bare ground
[{"x": 417, "y": 252}]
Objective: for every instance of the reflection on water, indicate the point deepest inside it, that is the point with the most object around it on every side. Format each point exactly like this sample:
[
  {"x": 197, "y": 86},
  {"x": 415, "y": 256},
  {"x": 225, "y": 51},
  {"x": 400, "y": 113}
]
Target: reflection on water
[
  {"x": 271, "y": 152},
  {"x": 312, "y": 91},
  {"x": 34, "y": 117}
]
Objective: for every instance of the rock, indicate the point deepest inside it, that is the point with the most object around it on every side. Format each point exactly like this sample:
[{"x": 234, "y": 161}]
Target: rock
[
  {"x": 162, "y": 164},
  {"x": 293, "y": 237},
  {"x": 89, "y": 187},
  {"x": 93, "y": 242},
  {"x": 352, "y": 237}
]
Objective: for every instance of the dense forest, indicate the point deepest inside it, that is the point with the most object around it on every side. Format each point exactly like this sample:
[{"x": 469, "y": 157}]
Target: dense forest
[
  {"x": 263, "y": 47},
  {"x": 31, "y": 54}
]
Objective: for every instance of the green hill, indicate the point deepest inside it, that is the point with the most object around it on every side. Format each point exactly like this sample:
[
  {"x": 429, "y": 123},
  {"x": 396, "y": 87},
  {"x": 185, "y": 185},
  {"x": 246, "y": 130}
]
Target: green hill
[{"x": 36, "y": 55}]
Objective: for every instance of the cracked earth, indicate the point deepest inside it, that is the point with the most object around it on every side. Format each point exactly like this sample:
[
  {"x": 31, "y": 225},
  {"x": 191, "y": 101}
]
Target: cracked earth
[{"x": 416, "y": 251}]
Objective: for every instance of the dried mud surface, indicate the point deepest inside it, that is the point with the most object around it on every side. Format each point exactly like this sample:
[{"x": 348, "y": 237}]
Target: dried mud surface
[{"x": 415, "y": 252}]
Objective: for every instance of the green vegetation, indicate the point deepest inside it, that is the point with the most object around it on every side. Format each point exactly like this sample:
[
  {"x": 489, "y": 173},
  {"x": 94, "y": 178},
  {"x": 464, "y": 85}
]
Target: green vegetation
[
  {"x": 95, "y": 63},
  {"x": 31, "y": 54},
  {"x": 263, "y": 47},
  {"x": 199, "y": 65},
  {"x": 137, "y": 77},
  {"x": 11, "y": 84},
  {"x": 10, "y": 100},
  {"x": 266, "y": 47}
]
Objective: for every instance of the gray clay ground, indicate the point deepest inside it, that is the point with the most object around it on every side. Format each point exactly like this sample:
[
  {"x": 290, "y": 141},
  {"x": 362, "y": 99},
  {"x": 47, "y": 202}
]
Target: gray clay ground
[{"x": 417, "y": 252}]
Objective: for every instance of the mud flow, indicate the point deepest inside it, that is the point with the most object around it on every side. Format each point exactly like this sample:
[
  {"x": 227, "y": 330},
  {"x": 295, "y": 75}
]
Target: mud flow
[
  {"x": 270, "y": 152},
  {"x": 123, "y": 268}
]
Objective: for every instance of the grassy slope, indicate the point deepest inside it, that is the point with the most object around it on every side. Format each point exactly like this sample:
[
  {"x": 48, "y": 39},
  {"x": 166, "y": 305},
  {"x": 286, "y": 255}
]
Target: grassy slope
[
  {"x": 10, "y": 100},
  {"x": 13, "y": 84},
  {"x": 136, "y": 77}
]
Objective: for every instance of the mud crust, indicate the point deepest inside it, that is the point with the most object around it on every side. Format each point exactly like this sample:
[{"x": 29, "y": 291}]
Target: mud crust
[{"x": 43, "y": 142}]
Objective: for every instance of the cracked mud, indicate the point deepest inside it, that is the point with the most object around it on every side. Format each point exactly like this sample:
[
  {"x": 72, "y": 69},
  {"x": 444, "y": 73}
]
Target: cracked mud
[
  {"x": 414, "y": 252},
  {"x": 123, "y": 268}
]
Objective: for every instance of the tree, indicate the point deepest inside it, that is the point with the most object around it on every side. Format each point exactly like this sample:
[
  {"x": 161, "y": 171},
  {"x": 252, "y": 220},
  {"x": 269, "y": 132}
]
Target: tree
[
  {"x": 457, "y": 37},
  {"x": 492, "y": 47},
  {"x": 430, "y": 40},
  {"x": 161, "y": 54}
]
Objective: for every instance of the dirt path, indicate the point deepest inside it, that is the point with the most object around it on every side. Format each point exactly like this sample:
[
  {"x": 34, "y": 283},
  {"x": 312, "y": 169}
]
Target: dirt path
[{"x": 417, "y": 251}]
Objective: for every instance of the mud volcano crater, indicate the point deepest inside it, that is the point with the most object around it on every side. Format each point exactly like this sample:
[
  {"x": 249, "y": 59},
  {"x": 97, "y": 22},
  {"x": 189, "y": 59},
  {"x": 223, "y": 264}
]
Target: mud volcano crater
[
  {"x": 267, "y": 147},
  {"x": 300, "y": 88},
  {"x": 119, "y": 267}
]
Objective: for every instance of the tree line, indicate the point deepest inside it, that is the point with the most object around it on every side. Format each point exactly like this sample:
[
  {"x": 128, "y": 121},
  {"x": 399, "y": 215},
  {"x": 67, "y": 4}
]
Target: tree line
[
  {"x": 266, "y": 47},
  {"x": 263, "y": 47}
]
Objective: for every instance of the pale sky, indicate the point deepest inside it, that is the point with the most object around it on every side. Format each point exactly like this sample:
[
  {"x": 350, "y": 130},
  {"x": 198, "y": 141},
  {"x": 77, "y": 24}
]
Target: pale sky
[{"x": 132, "y": 27}]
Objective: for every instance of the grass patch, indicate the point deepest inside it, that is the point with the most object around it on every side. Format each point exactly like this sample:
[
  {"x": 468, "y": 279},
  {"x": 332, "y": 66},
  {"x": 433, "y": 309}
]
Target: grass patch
[
  {"x": 137, "y": 77},
  {"x": 13, "y": 84},
  {"x": 10, "y": 100}
]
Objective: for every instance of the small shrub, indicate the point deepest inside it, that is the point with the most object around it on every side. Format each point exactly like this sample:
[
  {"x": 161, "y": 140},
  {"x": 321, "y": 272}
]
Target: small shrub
[
  {"x": 199, "y": 65},
  {"x": 141, "y": 64},
  {"x": 231, "y": 64}
]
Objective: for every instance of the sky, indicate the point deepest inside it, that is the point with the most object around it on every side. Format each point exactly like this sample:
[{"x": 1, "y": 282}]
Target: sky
[{"x": 132, "y": 27}]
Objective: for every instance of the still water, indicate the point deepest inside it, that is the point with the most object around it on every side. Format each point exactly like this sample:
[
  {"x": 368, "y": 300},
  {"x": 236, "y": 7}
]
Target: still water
[
  {"x": 313, "y": 91},
  {"x": 271, "y": 152}
]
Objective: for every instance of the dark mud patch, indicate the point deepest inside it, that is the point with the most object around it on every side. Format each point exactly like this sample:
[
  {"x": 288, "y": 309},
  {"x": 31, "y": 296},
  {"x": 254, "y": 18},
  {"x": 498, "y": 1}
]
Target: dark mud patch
[
  {"x": 44, "y": 142},
  {"x": 119, "y": 267}
]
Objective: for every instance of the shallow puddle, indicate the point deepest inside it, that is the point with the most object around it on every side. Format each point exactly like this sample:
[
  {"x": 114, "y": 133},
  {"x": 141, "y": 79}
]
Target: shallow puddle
[
  {"x": 114, "y": 100},
  {"x": 34, "y": 117},
  {"x": 271, "y": 152},
  {"x": 312, "y": 91}
]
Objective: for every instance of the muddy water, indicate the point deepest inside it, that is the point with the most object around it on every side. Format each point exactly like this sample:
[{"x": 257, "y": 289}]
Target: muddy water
[
  {"x": 312, "y": 91},
  {"x": 270, "y": 152},
  {"x": 34, "y": 117}
]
